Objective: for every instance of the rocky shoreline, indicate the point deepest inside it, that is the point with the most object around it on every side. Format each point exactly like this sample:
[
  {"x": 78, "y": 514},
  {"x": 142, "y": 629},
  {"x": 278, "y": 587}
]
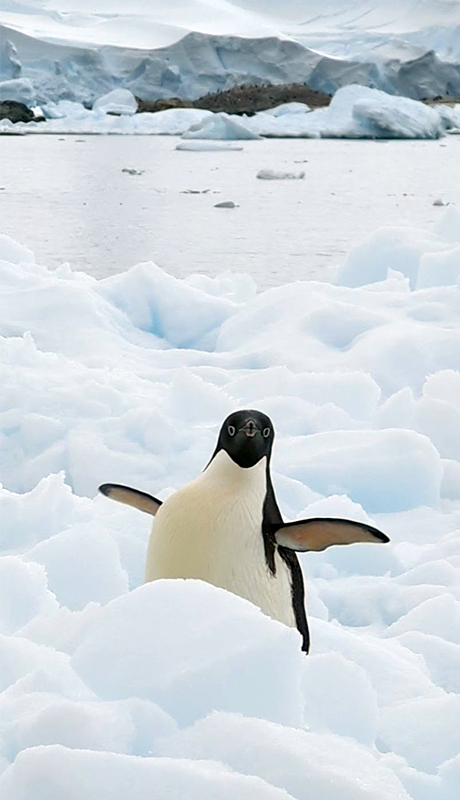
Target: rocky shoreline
[{"x": 246, "y": 99}]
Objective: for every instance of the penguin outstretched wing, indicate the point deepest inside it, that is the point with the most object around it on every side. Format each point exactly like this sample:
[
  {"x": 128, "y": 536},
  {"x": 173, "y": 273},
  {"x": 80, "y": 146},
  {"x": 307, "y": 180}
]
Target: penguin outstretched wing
[
  {"x": 318, "y": 533},
  {"x": 131, "y": 497}
]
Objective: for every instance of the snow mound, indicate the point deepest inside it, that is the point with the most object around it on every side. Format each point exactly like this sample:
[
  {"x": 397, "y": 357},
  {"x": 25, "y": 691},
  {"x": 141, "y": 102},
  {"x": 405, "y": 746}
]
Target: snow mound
[{"x": 189, "y": 667}]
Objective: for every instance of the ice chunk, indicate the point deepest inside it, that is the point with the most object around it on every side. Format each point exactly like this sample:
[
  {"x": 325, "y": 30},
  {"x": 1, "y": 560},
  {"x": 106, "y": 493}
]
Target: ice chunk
[
  {"x": 48, "y": 509},
  {"x": 448, "y": 225},
  {"x": 42, "y": 718},
  {"x": 64, "y": 629},
  {"x": 219, "y": 126},
  {"x": 442, "y": 657},
  {"x": 83, "y": 565},
  {"x": 172, "y": 121},
  {"x": 367, "y": 466},
  {"x": 439, "y": 616},
  {"x": 398, "y": 249},
  {"x": 339, "y": 697},
  {"x": 40, "y": 668},
  {"x": 398, "y": 118},
  {"x": 24, "y": 593},
  {"x": 119, "y": 101},
  {"x": 311, "y": 766},
  {"x": 196, "y": 648},
  {"x": 276, "y": 175},
  {"x": 439, "y": 269},
  {"x": 55, "y": 772},
  {"x": 438, "y": 734},
  {"x": 450, "y": 484},
  {"x": 14, "y": 252},
  {"x": 450, "y": 777},
  {"x": 360, "y": 112},
  {"x": 396, "y": 674}
]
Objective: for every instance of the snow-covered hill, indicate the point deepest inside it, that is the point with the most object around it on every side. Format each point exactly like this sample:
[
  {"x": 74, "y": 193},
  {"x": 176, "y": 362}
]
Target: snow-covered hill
[{"x": 79, "y": 50}]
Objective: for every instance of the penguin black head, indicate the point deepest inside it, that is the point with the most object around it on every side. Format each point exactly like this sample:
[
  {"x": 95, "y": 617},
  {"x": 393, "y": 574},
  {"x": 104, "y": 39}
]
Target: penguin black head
[{"x": 247, "y": 436}]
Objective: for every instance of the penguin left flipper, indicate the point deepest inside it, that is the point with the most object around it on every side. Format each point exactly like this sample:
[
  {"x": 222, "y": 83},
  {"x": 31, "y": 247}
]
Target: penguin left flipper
[
  {"x": 318, "y": 533},
  {"x": 131, "y": 497}
]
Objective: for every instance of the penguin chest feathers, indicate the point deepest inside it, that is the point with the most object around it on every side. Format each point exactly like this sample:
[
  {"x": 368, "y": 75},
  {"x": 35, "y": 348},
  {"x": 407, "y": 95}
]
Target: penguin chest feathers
[{"x": 211, "y": 529}]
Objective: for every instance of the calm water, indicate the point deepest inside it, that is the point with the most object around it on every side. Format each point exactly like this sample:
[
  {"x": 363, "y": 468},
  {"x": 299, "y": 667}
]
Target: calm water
[{"x": 68, "y": 199}]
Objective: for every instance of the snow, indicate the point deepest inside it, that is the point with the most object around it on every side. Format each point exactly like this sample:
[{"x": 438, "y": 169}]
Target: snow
[
  {"x": 80, "y": 51},
  {"x": 179, "y": 685}
]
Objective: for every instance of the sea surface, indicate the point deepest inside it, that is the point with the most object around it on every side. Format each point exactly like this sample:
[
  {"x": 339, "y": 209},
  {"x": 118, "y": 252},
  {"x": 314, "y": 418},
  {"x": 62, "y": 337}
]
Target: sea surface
[{"x": 70, "y": 199}]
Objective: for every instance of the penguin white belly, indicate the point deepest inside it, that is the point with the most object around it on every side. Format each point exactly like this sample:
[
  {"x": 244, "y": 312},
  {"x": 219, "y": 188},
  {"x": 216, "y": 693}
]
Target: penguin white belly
[{"x": 211, "y": 530}]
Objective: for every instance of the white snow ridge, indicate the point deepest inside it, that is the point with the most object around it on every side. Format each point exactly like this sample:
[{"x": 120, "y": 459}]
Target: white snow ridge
[{"x": 178, "y": 689}]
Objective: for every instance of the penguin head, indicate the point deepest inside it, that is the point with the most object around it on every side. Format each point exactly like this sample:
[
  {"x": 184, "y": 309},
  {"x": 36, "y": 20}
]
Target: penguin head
[{"x": 247, "y": 436}]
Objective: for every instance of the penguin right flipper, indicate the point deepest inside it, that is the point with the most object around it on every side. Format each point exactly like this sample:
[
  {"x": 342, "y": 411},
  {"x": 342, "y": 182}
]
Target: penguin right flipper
[
  {"x": 318, "y": 533},
  {"x": 131, "y": 497}
]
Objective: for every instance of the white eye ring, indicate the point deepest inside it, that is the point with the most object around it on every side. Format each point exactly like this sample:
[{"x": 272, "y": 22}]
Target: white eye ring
[
  {"x": 231, "y": 430},
  {"x": 266, "y": 433}
]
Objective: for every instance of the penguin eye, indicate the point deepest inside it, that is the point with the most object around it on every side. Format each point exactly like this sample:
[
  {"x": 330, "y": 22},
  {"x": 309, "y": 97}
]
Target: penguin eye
[
  {"x": 266, "y": 433},
  {"x": 231, "y": 430}
]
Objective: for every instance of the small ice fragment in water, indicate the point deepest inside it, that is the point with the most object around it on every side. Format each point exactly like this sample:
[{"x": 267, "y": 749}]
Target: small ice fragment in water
[
  {"x": 273, "y": 175},
  {"x": 226, "y": 204}
]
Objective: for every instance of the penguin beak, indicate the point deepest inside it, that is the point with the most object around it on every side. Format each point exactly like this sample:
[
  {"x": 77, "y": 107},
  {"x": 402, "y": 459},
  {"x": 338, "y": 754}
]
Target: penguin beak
[{"x": 250, "y": 428}]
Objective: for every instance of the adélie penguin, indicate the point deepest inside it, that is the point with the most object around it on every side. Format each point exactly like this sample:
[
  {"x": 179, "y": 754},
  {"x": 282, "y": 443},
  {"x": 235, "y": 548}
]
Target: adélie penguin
[{"x": 225, "y": 526}]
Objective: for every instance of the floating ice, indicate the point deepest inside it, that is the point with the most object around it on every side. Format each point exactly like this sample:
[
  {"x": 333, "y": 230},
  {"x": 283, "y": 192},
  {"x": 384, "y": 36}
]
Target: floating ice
[
  {"x": 274, "y": 175},
  {"x": 219, "y": 126},
  {"x": 206, "y": 146}
]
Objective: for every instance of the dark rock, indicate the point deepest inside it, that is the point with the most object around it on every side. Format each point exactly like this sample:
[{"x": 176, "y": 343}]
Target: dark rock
[
  {"x": 162, "y": 105},
  {"x": 250, "y": 99},
  {"x": 16, "y": 112}
]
